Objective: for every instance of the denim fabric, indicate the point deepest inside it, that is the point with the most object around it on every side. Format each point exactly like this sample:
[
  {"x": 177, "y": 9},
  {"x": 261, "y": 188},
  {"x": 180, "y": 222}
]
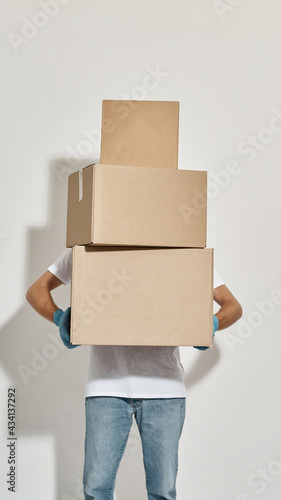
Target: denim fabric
[{"x": 108, "y": 423}]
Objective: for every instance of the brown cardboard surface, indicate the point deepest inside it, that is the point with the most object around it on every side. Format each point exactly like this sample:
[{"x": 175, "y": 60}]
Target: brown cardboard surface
[
  {"x": 137, "y": 206},
  {"x": 140, "y": 296},
  {"x": 140, "y": 133}
]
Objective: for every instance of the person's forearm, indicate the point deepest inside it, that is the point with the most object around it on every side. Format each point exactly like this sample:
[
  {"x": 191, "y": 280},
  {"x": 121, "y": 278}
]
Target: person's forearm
[
  {"x": 39, "y": 297},
  {"x": 228, "y": 314}
]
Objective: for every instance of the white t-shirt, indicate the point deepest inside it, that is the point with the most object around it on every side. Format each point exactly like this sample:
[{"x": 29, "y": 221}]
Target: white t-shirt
[{"x": 130, "y": 371}]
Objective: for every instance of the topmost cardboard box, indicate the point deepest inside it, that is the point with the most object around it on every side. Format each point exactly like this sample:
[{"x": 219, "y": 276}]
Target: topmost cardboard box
[{"x": 140, "y": 133}]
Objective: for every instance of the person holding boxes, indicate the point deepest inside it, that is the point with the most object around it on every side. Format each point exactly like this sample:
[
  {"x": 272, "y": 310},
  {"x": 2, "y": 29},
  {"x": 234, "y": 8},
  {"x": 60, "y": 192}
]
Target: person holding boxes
[
  {"x": 122, "y": 381},
  {"x": 136, "y": 197}
]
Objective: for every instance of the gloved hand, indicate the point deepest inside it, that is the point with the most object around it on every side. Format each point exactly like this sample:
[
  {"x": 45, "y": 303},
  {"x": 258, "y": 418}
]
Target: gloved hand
[
  {"x": 215, "y": 327},
  {"x": 62, "y": 320}
]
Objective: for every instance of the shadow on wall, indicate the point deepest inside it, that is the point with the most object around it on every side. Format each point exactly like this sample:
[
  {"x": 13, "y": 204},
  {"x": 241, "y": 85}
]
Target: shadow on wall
[{"x": 49, "y": 378}]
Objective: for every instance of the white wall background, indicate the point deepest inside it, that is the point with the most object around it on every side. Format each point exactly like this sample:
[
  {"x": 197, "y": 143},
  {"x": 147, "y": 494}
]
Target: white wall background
[{"x": 221, "y": 60}]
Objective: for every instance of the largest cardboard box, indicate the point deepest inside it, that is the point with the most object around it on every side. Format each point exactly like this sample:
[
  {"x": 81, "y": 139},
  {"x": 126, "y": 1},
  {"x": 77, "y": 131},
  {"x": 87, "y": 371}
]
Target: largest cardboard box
[
  {"x": 133, "y": 296},
  {"x": 120, "y": 205}
]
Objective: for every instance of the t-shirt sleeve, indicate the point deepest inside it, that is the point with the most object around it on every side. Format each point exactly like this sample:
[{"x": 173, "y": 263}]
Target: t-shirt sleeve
[
  {"x": 61, "y": 268},
  {"x": 218, "y": 281}
]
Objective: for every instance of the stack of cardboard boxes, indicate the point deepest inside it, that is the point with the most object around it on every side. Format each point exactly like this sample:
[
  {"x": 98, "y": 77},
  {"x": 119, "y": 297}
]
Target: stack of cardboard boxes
[{"x": 141, "y": 274}]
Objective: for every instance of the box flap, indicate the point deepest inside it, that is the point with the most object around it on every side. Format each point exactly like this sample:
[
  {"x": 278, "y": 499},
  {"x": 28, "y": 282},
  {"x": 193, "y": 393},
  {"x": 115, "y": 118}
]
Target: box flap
[{"x": 80, "y": 207}]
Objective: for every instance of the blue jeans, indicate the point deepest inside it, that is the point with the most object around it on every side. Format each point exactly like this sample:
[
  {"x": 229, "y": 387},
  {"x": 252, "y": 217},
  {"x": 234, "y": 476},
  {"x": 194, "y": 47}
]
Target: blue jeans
[{"x": 108, "y": 423}]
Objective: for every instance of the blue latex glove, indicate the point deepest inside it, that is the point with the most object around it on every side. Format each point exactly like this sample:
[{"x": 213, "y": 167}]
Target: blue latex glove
[
  {"x": 62, "y": 320},
  {"x": 215, "y": 327}
]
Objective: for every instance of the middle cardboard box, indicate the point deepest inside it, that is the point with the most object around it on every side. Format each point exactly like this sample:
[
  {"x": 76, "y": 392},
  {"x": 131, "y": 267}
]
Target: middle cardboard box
[{"x": 117, "y": 205}]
